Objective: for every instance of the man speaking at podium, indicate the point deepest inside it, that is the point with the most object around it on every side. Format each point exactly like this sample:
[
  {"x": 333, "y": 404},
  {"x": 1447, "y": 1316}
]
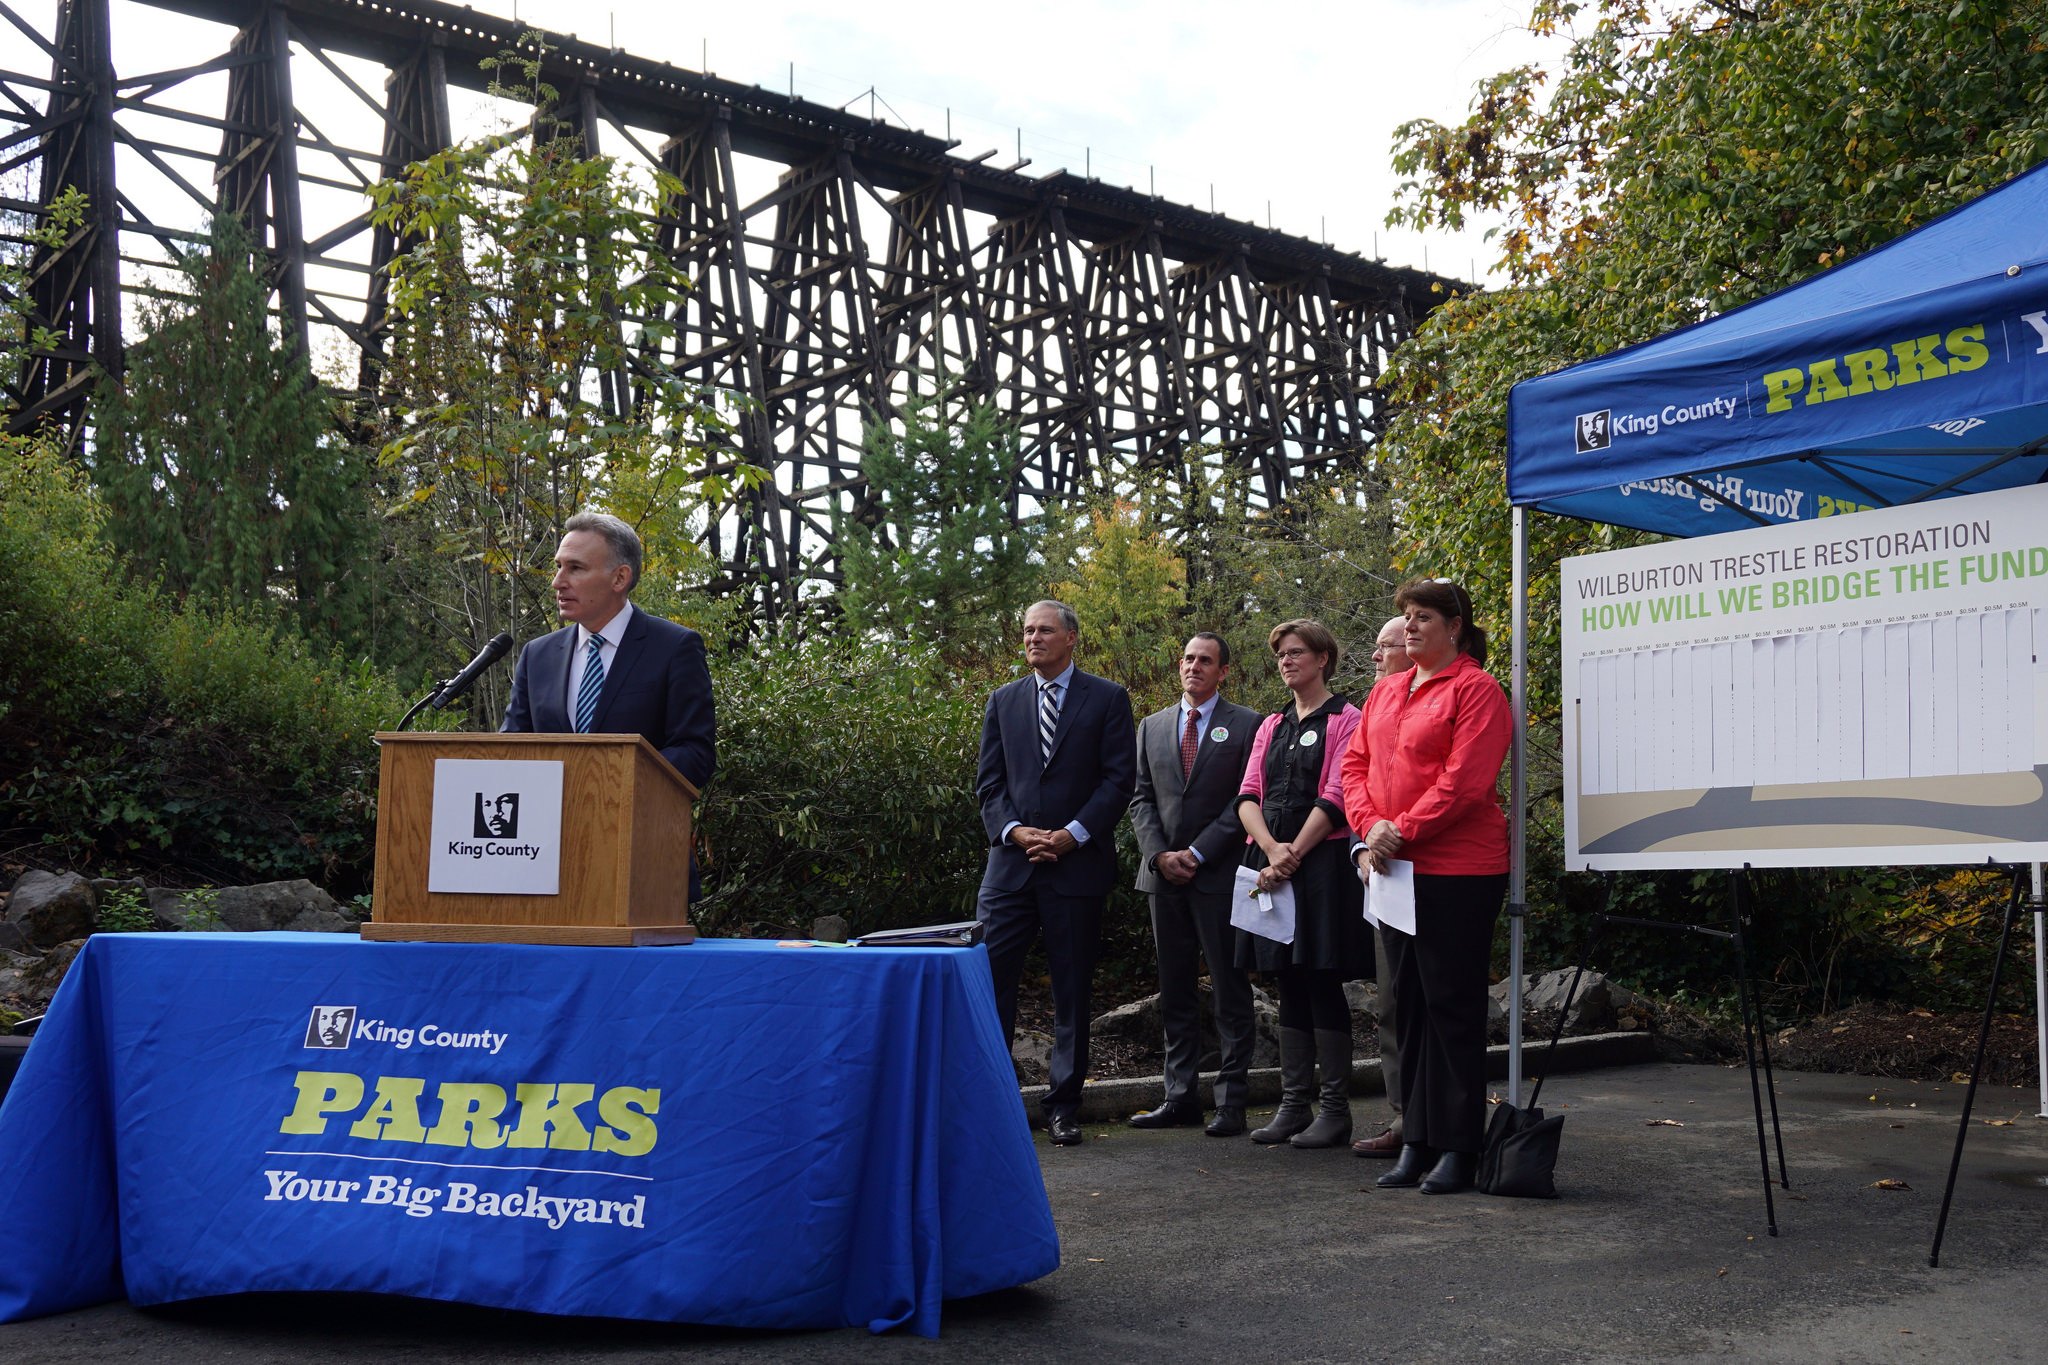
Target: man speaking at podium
[{"x": 613, "y": 670}]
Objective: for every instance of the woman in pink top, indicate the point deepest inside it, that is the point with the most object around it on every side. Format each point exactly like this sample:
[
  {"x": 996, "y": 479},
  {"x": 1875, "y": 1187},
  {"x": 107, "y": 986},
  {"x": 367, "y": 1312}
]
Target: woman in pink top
[
  {"x": 1293, "y": 813},
  {"x": 1421, "y": 783}
]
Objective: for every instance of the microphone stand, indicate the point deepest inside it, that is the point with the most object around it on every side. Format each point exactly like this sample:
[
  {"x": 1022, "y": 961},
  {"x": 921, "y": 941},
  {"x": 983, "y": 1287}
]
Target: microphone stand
[
  {"x": 441, "y": 695},
  {"x": 421, "y": 705}
]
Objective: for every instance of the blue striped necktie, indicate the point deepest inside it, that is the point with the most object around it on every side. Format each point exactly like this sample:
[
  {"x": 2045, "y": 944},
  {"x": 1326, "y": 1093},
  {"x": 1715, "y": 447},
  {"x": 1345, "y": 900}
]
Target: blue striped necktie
[
  {"x": 1048, "y": 718},
  {"x": 592, "y": 684}
]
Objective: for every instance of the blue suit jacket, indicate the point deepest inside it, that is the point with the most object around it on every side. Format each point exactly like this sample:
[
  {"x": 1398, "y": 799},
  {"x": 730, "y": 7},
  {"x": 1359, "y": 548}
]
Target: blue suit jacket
[
  {"x": 658, "y": 687},
  {"x": 1088, "y": 778}
]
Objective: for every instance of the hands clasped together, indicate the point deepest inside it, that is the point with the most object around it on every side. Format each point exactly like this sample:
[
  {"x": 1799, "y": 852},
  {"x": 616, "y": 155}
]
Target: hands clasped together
[
  {"x": 1382, "y": 841},
  {"x": 1282, "y": 862},
  {"x": 1043, "y": 845}
]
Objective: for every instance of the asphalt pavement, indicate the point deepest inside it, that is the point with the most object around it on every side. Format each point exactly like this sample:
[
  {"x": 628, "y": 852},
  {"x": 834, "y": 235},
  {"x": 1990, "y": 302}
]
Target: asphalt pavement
[{"x": 1183, "y": 1247}]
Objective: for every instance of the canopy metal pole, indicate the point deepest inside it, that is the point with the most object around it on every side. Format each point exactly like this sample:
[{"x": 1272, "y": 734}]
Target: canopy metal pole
[
  {"x": 2040, "y": 992},
  {"x": 1518, "y": 790}
]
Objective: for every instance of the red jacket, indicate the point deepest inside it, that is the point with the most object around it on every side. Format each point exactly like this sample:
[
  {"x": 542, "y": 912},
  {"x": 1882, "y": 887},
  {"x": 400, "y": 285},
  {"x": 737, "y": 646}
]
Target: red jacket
[{"x": 1430, "y": 762}]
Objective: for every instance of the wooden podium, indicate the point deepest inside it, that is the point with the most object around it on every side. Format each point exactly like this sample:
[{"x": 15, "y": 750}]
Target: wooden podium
[{"x": 624, "y": 851}]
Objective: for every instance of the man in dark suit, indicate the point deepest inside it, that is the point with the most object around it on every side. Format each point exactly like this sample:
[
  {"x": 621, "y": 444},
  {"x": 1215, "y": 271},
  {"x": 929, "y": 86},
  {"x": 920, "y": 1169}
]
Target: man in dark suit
[
  {"x": 1054, "y": 779},
  {"x": 611, "y": 669},
  {"x": 1191, "y": 760}
]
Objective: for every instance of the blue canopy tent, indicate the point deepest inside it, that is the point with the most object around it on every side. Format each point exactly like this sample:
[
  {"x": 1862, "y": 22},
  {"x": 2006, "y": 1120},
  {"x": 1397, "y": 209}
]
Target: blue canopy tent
[{"x": 1918, "y": 370}]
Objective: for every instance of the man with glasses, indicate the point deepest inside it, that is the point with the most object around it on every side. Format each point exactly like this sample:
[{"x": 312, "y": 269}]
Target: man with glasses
[{"x": 1389, "y": 656}]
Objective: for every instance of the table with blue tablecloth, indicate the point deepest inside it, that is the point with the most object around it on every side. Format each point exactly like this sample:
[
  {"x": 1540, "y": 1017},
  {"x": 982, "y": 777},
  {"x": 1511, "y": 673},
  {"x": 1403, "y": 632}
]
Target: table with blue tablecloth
[{"x": 731, "y": 1133}]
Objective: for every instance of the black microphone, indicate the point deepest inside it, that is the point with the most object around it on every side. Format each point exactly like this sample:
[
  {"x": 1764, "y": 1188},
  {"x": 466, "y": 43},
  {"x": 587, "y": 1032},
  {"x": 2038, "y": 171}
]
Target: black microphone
[{"x": 500, "y": 645}]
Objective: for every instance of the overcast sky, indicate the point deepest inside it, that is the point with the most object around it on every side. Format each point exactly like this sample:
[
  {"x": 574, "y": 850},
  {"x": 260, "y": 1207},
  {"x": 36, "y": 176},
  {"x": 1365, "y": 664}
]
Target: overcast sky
[{"x": 1287, "y": 102}]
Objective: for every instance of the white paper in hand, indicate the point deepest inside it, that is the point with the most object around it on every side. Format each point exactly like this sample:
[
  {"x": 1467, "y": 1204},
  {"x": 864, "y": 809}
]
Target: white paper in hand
[
  {"x": 1269, "y": 915},
  {"x": 1390, "y": 897}
]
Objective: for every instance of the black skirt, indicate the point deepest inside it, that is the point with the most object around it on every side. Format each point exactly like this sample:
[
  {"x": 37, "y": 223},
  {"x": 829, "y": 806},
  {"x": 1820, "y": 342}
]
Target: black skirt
[{"x": 1330, "y": 932}]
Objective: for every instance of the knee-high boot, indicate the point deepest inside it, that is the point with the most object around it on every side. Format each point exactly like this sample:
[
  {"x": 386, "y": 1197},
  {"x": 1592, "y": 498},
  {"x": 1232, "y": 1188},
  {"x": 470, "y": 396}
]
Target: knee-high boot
[
  {"x": 1297, "y": 1086},
  {"x": 1332, "y": 1126}
]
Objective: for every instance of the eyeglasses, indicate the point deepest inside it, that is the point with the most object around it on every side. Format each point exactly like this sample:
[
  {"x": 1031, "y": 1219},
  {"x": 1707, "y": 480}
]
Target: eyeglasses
[{"x": 1296, "y": 653}]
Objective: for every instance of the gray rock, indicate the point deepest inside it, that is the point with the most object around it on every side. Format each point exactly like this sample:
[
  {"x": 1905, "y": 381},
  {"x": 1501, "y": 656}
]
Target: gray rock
[
  {"x": 322, "y": 922},
  {"x": 41, "y": 978},
  {"x": 1265, "y": 1029},
  {"x": 830, "y": 929},
  {"x": 1032, "y": 1056},
  {"x": 1364, "y": 999},
  {"x": 1593, "y": 1007},
  {"x": 52, "y": 908},
  {"x": 12, "y": 940},
  {"x": 1137, "y": 1022},
  {"x": 170, "y": 910},
  {"x": 265, "y": 906},
  {"x": 14, "y": 976}
]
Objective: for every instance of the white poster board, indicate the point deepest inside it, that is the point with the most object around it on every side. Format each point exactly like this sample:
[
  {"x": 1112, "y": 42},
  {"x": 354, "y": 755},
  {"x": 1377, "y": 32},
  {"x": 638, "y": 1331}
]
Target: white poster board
[
  {"x": 497, "y": 826},
  {"x": 1862, "y": 689}
]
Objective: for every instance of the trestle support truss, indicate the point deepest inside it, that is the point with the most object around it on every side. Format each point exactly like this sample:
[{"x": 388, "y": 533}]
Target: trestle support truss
[{"x": 843, "y": 266}]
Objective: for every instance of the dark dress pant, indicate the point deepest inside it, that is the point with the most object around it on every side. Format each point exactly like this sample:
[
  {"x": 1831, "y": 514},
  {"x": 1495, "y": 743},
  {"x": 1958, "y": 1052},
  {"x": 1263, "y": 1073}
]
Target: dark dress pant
[
  {"x": 1389, "y": 1019},
  {"x": 1190, "y": 925},
  {"x": 1072, "y": 928},
  {"x": 1440, "y": 1008}
]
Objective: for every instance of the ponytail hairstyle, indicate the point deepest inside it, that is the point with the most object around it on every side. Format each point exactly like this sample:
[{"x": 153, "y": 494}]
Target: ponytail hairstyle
[{"x": 1447, "y": 599}]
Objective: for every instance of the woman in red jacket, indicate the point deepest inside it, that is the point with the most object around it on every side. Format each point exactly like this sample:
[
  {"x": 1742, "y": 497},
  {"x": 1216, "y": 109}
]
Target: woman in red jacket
[{"x": 1421, "y": 783}]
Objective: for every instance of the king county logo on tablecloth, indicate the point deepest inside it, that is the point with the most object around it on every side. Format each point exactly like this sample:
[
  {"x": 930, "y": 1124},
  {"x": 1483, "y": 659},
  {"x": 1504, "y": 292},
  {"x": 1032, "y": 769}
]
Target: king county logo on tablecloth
[{"x": 332, "y": 1026}]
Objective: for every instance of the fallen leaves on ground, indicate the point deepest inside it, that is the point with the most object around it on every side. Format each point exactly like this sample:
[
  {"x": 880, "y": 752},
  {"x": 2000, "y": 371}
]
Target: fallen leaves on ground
[
  {"x": 1889, "y": 1184},
  {"x": 1662, "y": 1123}
]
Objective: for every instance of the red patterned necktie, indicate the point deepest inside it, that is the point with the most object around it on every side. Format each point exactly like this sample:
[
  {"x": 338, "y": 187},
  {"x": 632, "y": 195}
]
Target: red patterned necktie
[{"x": 1190, "y": 740}]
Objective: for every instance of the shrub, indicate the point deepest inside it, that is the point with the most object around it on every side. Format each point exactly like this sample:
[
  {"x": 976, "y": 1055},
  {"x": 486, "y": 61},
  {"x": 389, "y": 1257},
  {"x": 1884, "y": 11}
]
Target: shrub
[
  {"x": 137, "y": 733},
  {"x": 845, "y": 786},
  {"x": 123, "y": 911}
]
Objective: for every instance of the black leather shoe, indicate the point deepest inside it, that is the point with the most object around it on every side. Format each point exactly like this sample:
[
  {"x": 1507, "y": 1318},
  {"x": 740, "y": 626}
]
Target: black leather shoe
[
  {"x": 1229, "y": 1121},
  {"x": 1063, "y": 1129},
  {"x": 1452, "y": 1173},
  {"x": 1168, "y": 1115},
  {"x": 1408, "y": 1170}
]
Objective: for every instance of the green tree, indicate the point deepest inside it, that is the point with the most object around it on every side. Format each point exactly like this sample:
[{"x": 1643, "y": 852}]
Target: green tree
[
  {"x": 1680, "y": 161},
  {"x": 1690, "y": 159},
  {"x": 536, "y": 281},
  {"x": 931, "y": 552},
  {"x": 218, "y": 460},
  {"x": 141, "y": 733},
  {"x": 1173, "y": 555},
  {"x": 1116, "y": 568}
]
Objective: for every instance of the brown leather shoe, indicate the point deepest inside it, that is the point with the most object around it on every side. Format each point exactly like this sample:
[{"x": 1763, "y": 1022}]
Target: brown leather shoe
[{"x": 1387, "y": 1144}]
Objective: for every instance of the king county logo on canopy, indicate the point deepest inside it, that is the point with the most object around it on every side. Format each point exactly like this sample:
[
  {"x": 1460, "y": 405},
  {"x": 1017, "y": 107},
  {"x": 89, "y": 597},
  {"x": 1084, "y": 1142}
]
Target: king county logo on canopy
[{"x": 1592, "y": 431}]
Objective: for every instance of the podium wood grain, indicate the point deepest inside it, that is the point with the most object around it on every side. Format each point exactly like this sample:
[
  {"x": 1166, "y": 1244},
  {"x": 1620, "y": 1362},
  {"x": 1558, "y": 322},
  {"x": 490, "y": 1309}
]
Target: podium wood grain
[{"x": 625, "y": 861}]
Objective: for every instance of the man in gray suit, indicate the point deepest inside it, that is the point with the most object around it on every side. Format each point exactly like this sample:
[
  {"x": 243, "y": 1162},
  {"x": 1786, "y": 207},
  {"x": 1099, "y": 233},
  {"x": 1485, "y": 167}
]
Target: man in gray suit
[
  {"x": 1389, "y": 656},
  {"x": 1191, "y": 760}
]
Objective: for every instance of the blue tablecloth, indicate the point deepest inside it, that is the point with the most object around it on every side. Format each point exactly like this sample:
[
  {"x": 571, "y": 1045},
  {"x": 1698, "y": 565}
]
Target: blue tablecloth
[{"x": 730, "y": 1133}]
